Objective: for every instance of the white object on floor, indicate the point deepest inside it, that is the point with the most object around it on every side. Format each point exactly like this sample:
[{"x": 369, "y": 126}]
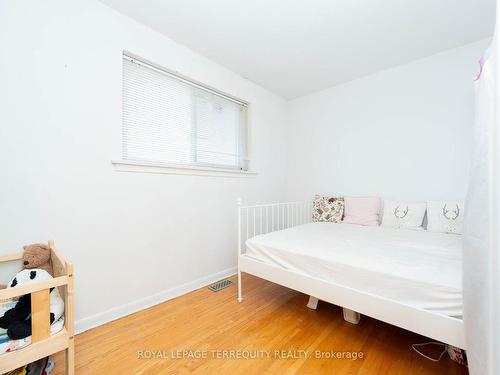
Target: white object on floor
[
  {"x": 351, "y": 316},
  {"x": 313, "y": 303},
  {"x": 417, "y": 268},
  {"x": 416, "y": 347}
]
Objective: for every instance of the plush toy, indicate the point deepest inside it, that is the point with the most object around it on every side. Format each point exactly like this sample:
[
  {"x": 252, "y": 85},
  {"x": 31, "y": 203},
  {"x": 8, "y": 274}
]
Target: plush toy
[
  {"x": 37, "y": 256},
  {"x": 17, "y": 321}
]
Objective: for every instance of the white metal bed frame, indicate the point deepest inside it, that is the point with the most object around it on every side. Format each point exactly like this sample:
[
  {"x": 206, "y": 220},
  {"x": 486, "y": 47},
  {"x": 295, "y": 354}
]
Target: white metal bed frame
[{"x": 265, "y": 218}]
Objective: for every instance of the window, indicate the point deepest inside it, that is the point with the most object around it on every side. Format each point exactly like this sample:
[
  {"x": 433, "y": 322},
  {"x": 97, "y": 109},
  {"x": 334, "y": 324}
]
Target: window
[{"x": 168, "y": 119}]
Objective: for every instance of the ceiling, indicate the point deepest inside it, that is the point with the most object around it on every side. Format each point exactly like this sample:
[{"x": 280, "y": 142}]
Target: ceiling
[{"x": 294, "y": 47}]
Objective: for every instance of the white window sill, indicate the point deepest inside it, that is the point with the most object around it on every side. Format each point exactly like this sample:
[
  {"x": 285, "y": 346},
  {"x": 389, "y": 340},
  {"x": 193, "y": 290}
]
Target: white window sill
[{"x": 131, "y": 166}]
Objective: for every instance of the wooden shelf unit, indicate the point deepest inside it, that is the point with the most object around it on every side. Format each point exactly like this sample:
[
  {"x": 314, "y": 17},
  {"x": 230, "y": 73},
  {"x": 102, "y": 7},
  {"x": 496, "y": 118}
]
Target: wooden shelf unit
[{"x": 43, "y": 343}]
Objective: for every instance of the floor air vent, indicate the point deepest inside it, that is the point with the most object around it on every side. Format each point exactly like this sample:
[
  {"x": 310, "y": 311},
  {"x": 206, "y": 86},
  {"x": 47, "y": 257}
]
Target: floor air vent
[{"x": 219, "y": 285}]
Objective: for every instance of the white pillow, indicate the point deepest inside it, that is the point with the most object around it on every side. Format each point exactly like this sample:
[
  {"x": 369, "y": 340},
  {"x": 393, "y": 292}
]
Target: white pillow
[
  {"x": 445, "y": 217},
  {"x": 404, "y": 215}
]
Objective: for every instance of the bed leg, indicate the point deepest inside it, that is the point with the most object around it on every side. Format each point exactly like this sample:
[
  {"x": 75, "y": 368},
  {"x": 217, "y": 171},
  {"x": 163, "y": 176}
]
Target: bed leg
[
  {"x": 351, "y": 316},
  {"x": 313, "y": 303},
  {"x": 240, "y": 298}
]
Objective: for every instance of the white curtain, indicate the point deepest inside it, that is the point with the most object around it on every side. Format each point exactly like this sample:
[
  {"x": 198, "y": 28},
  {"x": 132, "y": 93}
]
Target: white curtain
[{"x": 481, "y": 273}]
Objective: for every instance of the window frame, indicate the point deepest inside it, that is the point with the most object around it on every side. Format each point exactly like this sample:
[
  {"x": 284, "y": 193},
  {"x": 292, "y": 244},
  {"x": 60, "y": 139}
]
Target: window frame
[{"x": 193, "y": 168}]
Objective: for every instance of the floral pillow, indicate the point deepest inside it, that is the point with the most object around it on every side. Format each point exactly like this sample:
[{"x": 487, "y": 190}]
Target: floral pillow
[{"x": 330, "y": 209}]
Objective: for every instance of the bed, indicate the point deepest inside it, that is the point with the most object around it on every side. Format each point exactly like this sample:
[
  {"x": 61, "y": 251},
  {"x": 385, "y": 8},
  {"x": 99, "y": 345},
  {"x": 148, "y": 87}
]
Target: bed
[{"x": 408, "y": 278}]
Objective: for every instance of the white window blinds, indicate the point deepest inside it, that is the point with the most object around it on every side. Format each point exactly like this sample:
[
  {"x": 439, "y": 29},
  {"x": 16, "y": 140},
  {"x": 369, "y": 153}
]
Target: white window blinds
[{"x": 168, "y": 119}]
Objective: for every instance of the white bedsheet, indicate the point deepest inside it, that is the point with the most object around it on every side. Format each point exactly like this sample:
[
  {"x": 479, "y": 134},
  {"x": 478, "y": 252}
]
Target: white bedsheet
[{"x": 418, "y": 268}]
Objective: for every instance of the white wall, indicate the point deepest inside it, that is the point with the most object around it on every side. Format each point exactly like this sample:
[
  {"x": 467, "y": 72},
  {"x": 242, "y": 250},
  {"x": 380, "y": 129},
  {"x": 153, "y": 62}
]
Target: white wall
[
  {"x": 134, "y": 238},
  {"x": 139, "y": 238},
  {"x": 403, "y": 133}
]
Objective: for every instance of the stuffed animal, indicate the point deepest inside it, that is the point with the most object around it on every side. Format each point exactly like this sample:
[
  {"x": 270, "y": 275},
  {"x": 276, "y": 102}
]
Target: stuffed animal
[
  {"x": 37, "y": 256},
  {"x": 17, "y": 321}
]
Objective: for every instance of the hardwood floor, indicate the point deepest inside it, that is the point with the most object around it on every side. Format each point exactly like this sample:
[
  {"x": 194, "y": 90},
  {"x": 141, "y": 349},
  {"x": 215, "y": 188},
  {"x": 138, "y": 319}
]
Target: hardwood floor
[{"x": 270, "y": 318}]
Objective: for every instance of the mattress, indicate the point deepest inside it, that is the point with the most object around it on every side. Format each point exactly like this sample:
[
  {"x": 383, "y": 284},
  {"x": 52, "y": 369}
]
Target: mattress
[{"x": 417, "y": 268}]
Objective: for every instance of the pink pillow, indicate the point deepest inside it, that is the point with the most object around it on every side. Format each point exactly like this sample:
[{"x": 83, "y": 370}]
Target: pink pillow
[{"x": 361, "y": 210}]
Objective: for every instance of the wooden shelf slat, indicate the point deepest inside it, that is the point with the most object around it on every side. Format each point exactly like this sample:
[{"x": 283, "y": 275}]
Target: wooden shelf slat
[
  {"x": 52, "y": 344},
  {"x": 11, "y": 257},
  {"x": 21, "y": 290}
]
